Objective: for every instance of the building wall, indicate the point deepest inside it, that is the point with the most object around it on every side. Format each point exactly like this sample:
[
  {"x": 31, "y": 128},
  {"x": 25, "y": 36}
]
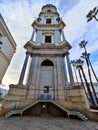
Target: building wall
[
  {"x": 3, "y": 66},
  {"x": 52, "y": 76},
  {"x": 7, "y": 47}
]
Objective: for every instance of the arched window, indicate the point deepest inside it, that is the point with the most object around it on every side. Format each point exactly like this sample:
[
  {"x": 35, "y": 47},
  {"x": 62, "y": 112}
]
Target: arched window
[{"x": 47, "y": 63}]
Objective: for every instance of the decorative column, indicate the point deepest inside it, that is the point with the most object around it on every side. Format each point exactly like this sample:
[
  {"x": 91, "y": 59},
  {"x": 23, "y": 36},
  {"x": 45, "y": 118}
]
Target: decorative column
[
  {"x": 57, "y": 37},
  {"x": 63, "y": 36},
  {"x": 55, "y": 95},
  {"x": 30, "y": 72},
  {"x": 33, "y": 82},
  {"x": 39, "y": 37},
  {"x": 69, "y": 68},
  {"x": 37, "y": 82},
  {"x": 33, "y": 33},
  {"x": 24, "y": 68},
  {"x": 65, "y": 72}
]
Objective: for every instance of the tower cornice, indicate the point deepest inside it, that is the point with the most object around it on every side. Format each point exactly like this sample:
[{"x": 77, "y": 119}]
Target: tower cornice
[
  {"x": 46, "y": 13},
  {"x": 33, "y": 45},
  {"x": 37, "y": 25},
  {"x": 49, "y": 49}
]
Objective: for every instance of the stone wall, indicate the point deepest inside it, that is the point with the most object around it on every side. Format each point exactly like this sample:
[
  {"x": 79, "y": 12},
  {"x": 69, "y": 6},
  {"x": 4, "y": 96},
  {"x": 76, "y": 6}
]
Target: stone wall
[{"x": 75, "y": 99}]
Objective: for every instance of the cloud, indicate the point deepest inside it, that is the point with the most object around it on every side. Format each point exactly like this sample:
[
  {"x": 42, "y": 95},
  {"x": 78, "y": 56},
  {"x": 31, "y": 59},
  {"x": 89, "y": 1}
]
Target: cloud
[
  {"x": 77, "y": 28},
  {"x": 66, "y": 5},
  {"x": 75, "y": 19},
  {"x": 20, "y": 14}
]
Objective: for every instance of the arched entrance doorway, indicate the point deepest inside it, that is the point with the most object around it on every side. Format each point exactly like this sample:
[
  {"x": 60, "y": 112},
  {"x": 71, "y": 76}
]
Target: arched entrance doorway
[{"x": 46, "y": 79}]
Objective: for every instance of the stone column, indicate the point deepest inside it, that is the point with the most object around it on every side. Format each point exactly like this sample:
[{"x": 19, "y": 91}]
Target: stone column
[
  {"x": 55, "y": 83},
  {"x": 69, "y": 69},
  {"x": 63, "y": 36},
  {"x": 30, "y": 71},
  {"x": 60, "y": 84},
  {"x": 24, "y": 68},
  {"x": 33, "y": 33},
  {"x": 57, "y": 37},
  {"x": 37, "y": 82},
  {"x": 34, "y": 70},
  {"x": 65, "y": 72},
  {"x": 39, "y": 37}
]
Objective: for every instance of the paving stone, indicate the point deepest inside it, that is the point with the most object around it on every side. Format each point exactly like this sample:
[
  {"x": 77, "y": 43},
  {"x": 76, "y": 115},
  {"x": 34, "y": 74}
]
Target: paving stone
[{"x": 45, "y": 123}]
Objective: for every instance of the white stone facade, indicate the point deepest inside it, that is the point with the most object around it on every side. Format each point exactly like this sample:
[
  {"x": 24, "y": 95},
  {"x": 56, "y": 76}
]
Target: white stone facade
[
  {"x": 48, "y": 51},
  {"x": 49, "y": 76},
  {"x": 7, "y": 47}
]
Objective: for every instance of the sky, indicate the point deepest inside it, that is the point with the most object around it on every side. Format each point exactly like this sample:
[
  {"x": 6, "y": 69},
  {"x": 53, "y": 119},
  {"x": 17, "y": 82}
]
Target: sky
[{"x": 20, "y": 14}]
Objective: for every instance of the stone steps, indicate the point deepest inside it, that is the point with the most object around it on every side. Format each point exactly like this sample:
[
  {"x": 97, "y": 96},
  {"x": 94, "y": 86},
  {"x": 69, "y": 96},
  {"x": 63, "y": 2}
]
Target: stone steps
[{"x": 69, "y": 113}]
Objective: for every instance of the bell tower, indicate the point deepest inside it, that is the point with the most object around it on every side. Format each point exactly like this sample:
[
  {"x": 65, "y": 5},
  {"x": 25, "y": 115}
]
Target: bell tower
[
  {"x": 49, "y": 88},
  {"x": 48, "y": 49}
]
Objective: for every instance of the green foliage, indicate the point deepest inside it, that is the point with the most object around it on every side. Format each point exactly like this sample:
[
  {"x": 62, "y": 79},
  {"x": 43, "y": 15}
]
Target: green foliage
[
  {"x": 83, "y": 43},
  {"x": 73, "y": 62},
  {"x": 85, "y": 55},
  {"x": 79, "y": 62},
  {"x": 92, "y": 14}
]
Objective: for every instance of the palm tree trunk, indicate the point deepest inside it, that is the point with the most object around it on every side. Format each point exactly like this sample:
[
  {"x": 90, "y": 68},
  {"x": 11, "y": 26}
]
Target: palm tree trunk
[
  {"x": 82, "y": 83},
  {"x": 87, "y": 84},
  {"x": 89, "y": 63},
  {"x": 95, "y": 18},
  {"x": 89, "y": 73},
  {"x": 92, "y": 85},
  {"x": 93, "y": 70},
  {"x": 80, "y": 76}
]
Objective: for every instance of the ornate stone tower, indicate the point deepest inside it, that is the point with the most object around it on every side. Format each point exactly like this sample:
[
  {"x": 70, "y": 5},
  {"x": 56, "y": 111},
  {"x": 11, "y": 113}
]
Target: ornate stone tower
[
  {"x": 48, "y": 49},
  {"x": 50, "y": 79}
]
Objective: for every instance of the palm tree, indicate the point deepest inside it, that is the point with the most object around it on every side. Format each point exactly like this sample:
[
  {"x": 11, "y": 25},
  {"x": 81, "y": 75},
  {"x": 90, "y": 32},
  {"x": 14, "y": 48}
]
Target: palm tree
[
  {"x": 85, "y": 56},
  {"x": 92, "y": 69},
  {"x": 80, "y": 75},
  {"x": 74, "y": 66},
  {"x": 80, "y": 65},
  {"x": 77, "y": 67},
  {"x": 83, "y": 44},
  {"x": 92, "y": 14}
]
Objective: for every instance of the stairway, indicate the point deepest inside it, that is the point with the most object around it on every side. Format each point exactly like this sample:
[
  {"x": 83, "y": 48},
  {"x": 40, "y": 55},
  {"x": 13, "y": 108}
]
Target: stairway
[
  {"x": 13, "y": 112},
  {"x": 78, "y": 114},
  {"x": 69, "y": 113},
  {"x": 72, "y": 113}
]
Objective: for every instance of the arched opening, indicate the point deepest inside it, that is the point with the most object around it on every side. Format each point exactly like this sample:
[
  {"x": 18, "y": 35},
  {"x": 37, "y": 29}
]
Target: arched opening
[
  {"x": 46, "y": 79},
  {"x": 47, "y": 63}
]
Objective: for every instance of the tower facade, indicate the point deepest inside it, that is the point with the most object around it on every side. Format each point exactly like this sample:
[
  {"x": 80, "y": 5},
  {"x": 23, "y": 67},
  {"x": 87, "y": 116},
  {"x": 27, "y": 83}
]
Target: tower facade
[
  {"x": 50, "y": 81},
  {"x": 48, "y": 49}
]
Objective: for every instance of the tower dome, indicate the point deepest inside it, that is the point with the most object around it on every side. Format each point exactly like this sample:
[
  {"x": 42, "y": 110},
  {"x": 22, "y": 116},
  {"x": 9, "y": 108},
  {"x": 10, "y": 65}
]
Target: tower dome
[{"x": 49, "y": 8}]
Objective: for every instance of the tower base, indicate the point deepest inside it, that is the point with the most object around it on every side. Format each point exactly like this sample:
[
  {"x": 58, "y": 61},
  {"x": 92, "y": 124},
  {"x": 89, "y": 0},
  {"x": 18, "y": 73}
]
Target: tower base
[{"x": 19, "y": 98}]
